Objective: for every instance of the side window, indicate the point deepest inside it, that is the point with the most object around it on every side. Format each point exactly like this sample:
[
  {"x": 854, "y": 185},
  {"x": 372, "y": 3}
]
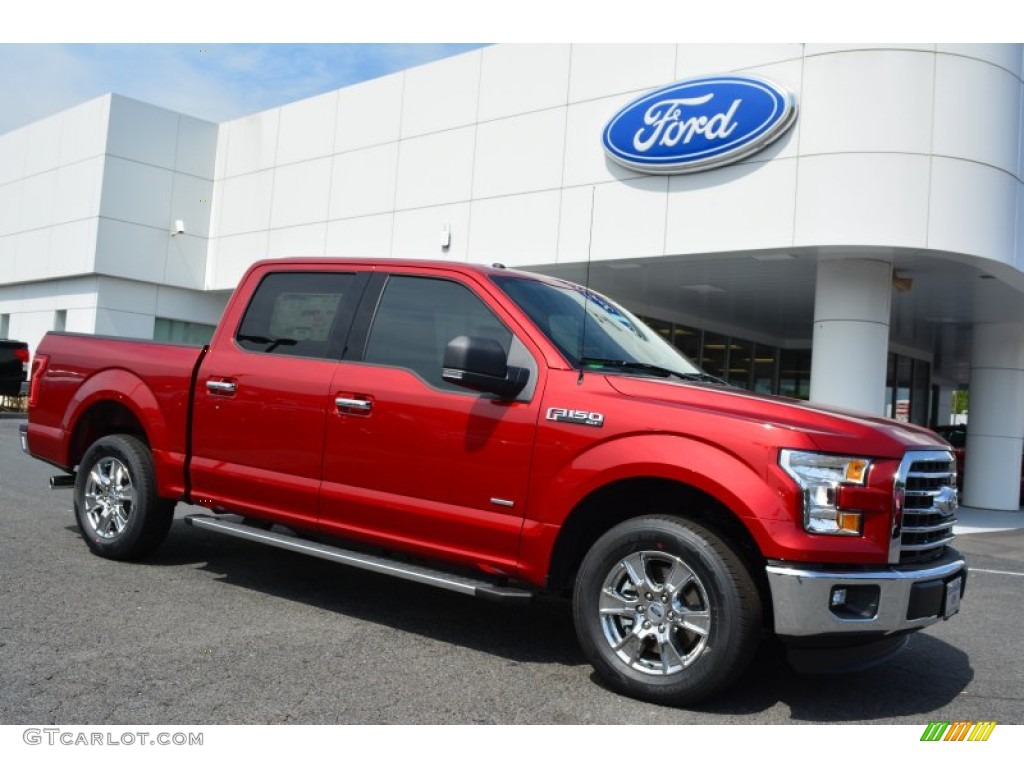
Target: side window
[
  {"x": 302, "y": 314},
  {"x": 418, "y": 316}
]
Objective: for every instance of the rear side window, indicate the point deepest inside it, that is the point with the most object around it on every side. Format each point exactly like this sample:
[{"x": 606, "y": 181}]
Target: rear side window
[
  {"x": 303, "y": 314},
  {"x": 418, "y": 316}
]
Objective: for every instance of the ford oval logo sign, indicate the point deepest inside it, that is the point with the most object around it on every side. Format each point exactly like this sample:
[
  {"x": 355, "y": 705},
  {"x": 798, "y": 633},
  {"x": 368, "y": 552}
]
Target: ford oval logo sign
[{"x": 699, "y": 124}]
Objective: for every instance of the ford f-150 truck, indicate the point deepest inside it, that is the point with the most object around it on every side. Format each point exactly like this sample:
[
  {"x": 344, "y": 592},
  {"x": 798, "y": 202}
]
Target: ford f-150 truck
[{"x": 503, "y": 434}]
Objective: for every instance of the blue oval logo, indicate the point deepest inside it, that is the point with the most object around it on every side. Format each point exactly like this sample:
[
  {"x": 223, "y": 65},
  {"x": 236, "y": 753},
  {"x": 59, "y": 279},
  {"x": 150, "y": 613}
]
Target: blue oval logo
[{"x": 698, "y": 124}]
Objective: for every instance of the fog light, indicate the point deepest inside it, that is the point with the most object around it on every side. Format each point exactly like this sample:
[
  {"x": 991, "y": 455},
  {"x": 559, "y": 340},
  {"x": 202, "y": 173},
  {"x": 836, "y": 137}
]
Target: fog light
[{"x": 855, "y": 602}]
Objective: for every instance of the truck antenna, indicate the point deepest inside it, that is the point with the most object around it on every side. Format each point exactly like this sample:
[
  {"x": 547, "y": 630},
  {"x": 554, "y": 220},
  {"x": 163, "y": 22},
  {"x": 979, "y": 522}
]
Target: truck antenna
[{"x": 586, "y": 287}]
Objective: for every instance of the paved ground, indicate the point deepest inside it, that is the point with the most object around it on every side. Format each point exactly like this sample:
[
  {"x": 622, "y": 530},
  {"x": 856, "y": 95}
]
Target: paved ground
[{"x": 215, "y": 630}]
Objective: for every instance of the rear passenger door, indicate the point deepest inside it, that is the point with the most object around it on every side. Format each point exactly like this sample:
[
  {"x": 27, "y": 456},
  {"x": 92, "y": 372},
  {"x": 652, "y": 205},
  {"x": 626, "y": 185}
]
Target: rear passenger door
[
  {"x": 413, "y": 460},
  {"x": 262, "y": 395}
]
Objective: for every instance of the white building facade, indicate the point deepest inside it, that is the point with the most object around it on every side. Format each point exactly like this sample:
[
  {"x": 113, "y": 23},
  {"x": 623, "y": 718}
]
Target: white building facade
[{"x": 871, "y": 256}]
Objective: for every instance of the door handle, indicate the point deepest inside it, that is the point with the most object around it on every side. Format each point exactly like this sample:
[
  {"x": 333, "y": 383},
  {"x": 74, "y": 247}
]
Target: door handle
[
  {"x": 352, "y": 403},
  {"x": 221, "y": 387}
]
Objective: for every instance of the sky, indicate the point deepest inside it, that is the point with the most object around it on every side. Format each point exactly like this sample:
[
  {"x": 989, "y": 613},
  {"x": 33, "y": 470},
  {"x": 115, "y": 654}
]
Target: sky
[
  {"x": 211, "y": 81},
  {"x": 222, "y": 59}
]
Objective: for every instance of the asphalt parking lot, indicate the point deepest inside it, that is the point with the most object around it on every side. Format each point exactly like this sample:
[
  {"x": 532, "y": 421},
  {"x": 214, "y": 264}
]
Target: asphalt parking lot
[{"x": 217, "y": 630}]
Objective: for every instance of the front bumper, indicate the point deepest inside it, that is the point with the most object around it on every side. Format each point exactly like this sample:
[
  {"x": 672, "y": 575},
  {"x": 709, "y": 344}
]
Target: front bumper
[{"x": 809, "y": 600}]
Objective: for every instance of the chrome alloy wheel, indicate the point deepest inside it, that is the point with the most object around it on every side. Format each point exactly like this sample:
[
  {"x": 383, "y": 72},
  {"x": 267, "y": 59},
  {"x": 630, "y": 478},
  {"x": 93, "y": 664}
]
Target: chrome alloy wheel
[
  {"x": 654, "y": 613},
  {"x": 109, "y": 497}
]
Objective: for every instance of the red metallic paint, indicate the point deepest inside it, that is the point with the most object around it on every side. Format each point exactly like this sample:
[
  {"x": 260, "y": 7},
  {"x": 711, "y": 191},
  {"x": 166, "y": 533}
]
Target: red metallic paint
[{"x": 422, "y": 470}]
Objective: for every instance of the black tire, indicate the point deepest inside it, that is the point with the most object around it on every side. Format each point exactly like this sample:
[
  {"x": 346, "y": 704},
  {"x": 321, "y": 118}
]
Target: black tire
[
  {"x": 666, "y": 611},
  {"x": 116, "y": 506}
]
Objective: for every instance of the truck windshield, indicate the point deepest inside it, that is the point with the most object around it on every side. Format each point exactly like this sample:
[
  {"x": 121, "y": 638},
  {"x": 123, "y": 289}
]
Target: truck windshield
[{"x": 611, "y": 339}]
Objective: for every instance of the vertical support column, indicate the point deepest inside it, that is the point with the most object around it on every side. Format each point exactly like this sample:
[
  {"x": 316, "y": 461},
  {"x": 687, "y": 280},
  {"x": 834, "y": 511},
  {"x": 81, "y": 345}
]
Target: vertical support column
[
  {"x": 995, "y": 422},
  {"x": 852, "y": 301}
]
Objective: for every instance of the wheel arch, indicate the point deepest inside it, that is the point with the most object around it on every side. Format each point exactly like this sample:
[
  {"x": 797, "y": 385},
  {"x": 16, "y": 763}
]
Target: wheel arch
[{"x": 633, "y": 497}]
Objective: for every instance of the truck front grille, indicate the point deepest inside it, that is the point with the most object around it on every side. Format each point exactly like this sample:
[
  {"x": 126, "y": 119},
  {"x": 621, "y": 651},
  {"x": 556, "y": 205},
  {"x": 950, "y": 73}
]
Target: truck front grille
[{"x": 926, "y": 483}]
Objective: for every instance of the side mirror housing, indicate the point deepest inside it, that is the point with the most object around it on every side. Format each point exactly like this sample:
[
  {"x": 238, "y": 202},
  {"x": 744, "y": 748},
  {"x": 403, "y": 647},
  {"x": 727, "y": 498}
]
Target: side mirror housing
[{"x": 478, "y": 363}]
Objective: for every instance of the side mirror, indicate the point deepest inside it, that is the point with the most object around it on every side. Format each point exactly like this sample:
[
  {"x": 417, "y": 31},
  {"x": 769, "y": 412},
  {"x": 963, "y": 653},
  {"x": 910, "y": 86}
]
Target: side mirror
[{"x": 478, "y": 363}]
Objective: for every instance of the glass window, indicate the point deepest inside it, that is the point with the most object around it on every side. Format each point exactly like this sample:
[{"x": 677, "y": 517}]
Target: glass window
[
  {"x": 182, "y": 332},
  {"x": 418, "y": 316},
  {"x": 687, "y": 340},
  {"x": 741, "y": 363},
  {"x": 296, "y": 313},
  {"x": 764, "y": 364},
  {"x": 715, "y": 356},
  {"x": 795, "y": 373}
]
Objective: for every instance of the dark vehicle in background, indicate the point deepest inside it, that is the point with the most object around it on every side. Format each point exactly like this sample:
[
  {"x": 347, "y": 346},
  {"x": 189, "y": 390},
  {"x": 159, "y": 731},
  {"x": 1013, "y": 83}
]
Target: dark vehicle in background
[
  {"x": 956, "y": 436},
  {"x": 13, "y": 367}
]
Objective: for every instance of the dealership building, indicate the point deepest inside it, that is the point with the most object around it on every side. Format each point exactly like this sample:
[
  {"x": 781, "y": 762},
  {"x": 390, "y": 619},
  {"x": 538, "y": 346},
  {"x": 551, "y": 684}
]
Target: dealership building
[{"x": 862, "y": 246}]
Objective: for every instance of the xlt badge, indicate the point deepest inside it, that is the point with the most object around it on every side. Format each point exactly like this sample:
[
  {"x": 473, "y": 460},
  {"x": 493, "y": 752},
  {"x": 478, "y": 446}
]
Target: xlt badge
[{"x": 585, "y": 418}]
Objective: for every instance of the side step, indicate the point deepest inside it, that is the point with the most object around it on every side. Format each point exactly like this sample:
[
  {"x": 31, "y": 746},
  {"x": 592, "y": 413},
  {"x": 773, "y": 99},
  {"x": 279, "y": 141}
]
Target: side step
[{"x": 418, "y": 573}]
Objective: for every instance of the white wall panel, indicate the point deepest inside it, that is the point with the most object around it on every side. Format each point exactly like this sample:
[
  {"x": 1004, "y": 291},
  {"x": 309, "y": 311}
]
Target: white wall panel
[
  {"x": 977, "y": 112},
  {"x": 789, "y": 75},
  {"x": 363, "y": 237},
  {"x": 142, "y": 132},
  {"x": 417, "y": 234},
  {"x": 231, "y": 256},
  {"x": 189, "y": 305},
  {"x": 131, "y": 251},
  {"x": 125, "y": 295},
  {"x": 1009, "y": 57},
  {"x": 368, "y": 236},
  {"x": 699, "y": 59},
  {"x": 8, "y": 259},
  {"x": 740, "y": 207},
  {"x": 862, "y": 199},
  {"x": 185, "y": 263},
  {"x": 252, "y": 143},
  {"x": 73, "y": 248},
  {"x": 297, "y": 241},
  {"x": 816, "y": 49},
  {"x": 77, "y": 194},
  {"x": 973, "y": 210},
  {"x": 301, "y": 193},
  {"x": 137, "y": 193},
  {"x": 110, "y": 322},
  {"x": 83, "y": 133},
  {"x": 37, "y": 201},
  {"x": 519, "y": 154},
  {"x": 242, "y": 203},
  {"x": 877, "y": 101},
  {"x": 192, "y": 203},
  {"x": 585, "y": 161},
  {"x": 307, "y": 129},
  {"x": 441, "y": 95},
  {"x": 32, "y": 255},
  {"x": 10, "y": 207},
  {"x": 600, "y": 70},
  {"x": 515, "y": 230},
  {"x": 515, "y": 79},
  {"x": 363, "y": 181},
  {"x": 13, "y": 156},
  {"x": 43, "y": 150},
  {"x": 435, "y": 169},
  {"x": 369, "y": 113},
  {"x": 196, "y": 147},
  {"x": 628, "y": 219}
]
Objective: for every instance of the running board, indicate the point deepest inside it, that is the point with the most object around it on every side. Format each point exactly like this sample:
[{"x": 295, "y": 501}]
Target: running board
[{"x": 418, "y": 573}]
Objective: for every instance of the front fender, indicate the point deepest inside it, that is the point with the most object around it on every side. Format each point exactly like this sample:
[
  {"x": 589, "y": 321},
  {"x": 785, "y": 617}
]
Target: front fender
[{"x": 756, "y": 500}]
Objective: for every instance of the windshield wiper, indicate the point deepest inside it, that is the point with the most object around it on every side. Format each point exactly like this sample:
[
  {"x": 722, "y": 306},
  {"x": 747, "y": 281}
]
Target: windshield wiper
[
  {"x": 274, "y": 343},
  {"x": 635, "y": 366}
]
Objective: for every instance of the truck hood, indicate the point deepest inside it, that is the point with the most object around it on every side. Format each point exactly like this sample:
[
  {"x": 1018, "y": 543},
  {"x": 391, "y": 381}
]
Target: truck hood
[{"x": 831, "y": 429}]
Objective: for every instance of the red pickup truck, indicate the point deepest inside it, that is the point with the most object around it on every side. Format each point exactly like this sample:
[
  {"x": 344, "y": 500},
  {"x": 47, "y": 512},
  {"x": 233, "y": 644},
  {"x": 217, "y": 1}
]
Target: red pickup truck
[{"x": 503, "y": 434}]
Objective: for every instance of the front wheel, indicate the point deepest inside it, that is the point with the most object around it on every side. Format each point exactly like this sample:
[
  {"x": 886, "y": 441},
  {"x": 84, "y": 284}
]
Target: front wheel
[
  {"x": 666, "y": 611},
  {"x": 116, "y": 504}
]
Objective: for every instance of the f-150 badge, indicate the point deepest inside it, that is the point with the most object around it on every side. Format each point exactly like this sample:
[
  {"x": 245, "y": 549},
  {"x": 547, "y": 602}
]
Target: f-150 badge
[{"x": 584, "y": 418}]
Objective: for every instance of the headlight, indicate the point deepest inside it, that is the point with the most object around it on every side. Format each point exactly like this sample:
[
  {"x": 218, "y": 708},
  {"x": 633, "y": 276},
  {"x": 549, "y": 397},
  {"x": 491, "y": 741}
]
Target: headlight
[{"x": 820, "y": 476}]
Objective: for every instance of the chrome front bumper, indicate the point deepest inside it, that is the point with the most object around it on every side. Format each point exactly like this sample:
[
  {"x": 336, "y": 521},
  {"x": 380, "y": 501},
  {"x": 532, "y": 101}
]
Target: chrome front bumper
[{"x": 884, "y": 601}]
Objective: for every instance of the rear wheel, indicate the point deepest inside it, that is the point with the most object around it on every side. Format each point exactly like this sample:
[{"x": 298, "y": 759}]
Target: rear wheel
[
  {"x": 666, "y": 611},
  {"x": 116, "y": 505}
]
